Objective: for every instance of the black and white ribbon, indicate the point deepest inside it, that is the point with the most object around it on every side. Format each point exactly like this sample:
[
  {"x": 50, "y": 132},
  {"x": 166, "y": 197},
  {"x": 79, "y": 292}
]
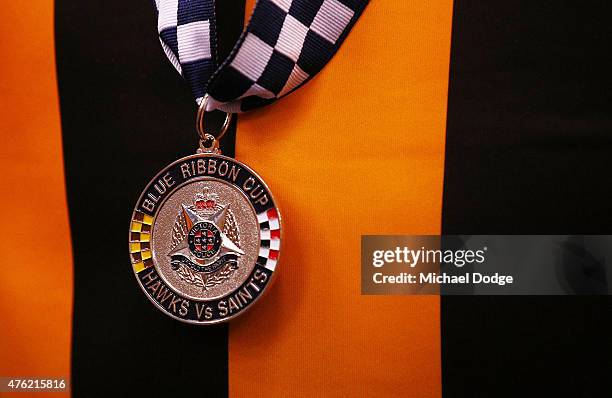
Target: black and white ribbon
[{"x": 285, "y": 43}]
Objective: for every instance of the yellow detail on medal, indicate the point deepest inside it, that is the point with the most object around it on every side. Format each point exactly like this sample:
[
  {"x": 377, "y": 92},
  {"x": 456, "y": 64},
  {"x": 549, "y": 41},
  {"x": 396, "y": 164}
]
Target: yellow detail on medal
[
  {"x": 147, "y": 219},
  {"x": 136, "y": 226},
  {"x": 146, "y": 254},
  {"x": 134, "y": 247},
  {"x": 139, "y": 266}
]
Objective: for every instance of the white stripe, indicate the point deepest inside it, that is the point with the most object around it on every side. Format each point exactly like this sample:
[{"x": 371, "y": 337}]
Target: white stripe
[
  {"x": 275, "y": 244},
  {"x": 252, "y": 57},
  {"x": 171, "y": 56},
  {"x": 283, "y": 4},
  {"x": 331, "y": 20},
  {"x": 264, "y": 234},
  {"x": 264, "y": 252},
  {"x": 262, "y": 217},
  {"x": 227, "y": 107},
  {"x": 291, "y": 38},
  {"x": 296, "y": 78},
  {"x": 274, "y": 224},
  {"x": 216, "y": 104},
  {"x": 167, "y": 14},
  {"x": 257, "y": 91},
  {"x": 271, "y": 265},
  {"x": 193, "y": 41}
]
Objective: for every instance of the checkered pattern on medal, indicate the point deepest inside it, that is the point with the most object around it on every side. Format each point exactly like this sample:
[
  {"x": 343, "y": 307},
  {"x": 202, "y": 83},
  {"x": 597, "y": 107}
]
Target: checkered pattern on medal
[
  {"x": 286, "y": 42},
  {"x": 269, "y": 233},
  {"x": 186, "y": 31}
]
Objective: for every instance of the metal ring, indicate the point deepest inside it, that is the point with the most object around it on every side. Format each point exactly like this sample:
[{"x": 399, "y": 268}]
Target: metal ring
[
  {"x": 209, "y": 143},
  {"x": 200, "y": 121}
]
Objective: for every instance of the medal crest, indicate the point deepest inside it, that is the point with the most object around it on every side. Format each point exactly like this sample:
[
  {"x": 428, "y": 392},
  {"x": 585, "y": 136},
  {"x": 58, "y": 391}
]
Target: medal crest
[
  {"x": 205, "y": 238},
  {"x": 205, "y": 242}
]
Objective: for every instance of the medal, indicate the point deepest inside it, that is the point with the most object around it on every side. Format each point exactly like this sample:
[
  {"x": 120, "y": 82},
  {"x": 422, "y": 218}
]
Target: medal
[{"x": 205, "y": 234}]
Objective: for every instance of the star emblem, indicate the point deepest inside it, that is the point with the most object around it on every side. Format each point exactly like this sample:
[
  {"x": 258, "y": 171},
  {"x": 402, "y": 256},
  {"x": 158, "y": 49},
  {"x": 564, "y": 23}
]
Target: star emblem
[{"x": 218, "y": 220}]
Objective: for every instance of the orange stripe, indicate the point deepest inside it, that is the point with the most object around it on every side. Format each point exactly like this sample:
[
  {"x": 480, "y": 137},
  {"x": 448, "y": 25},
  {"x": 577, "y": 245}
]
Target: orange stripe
[
  {"x": 35, "y": 253},
  {"x": 358, "y": 150}
]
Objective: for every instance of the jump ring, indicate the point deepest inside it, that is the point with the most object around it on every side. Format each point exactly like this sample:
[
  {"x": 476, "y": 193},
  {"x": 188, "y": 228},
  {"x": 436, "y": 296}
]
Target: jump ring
[{"x": 204, "y": 136}]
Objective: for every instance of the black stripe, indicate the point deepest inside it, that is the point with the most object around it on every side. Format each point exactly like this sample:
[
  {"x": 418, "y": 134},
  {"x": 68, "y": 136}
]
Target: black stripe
[
  {"x": 528, "y": 151},
  {"x": 125, "y": 114}
]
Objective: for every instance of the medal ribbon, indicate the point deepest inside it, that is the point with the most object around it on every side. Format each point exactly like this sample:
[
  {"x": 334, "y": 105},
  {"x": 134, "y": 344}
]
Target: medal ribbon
[{"x": 285, "y": 43}]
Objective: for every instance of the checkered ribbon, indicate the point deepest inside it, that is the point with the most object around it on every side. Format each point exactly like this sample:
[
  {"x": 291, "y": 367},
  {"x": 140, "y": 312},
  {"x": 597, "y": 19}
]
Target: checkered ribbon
[{"x": 285, "y": 44}]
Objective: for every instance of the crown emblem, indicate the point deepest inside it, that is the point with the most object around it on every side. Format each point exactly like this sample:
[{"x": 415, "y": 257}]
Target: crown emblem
[{"x": 206, "y": 200}]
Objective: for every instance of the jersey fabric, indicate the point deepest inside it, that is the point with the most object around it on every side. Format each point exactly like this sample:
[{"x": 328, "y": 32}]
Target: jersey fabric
[{"x": 434, "y": 117}]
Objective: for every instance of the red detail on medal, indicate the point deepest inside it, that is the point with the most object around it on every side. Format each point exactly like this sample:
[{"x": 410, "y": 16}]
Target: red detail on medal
[
  {"x": 275, "y": 234},
  {"x": 273, "y": 255},
  {"x": 205, "y": 204},
  {"x": 272, "y": 215}
]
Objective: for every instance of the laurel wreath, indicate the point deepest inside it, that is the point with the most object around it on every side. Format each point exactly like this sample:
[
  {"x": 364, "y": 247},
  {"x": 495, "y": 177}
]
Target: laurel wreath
[{"x": 209, "y": 281}]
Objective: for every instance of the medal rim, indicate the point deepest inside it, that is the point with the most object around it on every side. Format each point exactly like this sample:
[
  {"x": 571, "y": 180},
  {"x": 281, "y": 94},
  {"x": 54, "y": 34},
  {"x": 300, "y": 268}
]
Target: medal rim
[{"x": 266, "y": 288}]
